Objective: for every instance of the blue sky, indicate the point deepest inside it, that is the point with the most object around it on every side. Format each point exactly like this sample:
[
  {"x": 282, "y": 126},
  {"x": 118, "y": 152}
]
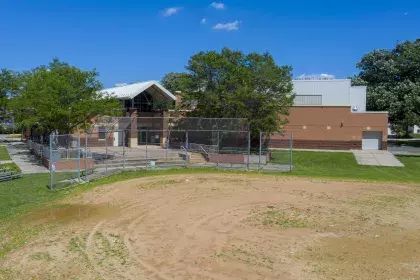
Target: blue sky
[{"x": 128, "y": 41}]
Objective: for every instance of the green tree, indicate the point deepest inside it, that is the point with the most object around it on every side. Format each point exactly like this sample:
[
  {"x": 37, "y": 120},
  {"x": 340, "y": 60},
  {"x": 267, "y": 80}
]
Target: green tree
[
  {"x": 9, "y": 85},
  {"x": 231, "y": 84},
  {"x": 60, "y": 98},
  {"x": 393, "y": 80},
  {"x": 175, "y": 81}
]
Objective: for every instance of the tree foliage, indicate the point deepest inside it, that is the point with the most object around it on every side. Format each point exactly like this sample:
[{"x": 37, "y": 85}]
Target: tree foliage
[
  {"x": 175, "y": 81},
  {"x": 60, "y": 98},
  {"x": 393, "y": 79},
  {"x": 9, "y": 85},
  {"x": 231, "y": 84}
]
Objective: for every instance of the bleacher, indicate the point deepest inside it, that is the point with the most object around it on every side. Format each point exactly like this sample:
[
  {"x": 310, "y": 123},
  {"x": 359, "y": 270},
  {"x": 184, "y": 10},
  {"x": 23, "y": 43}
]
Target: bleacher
[{"x": 7, "y": 175}]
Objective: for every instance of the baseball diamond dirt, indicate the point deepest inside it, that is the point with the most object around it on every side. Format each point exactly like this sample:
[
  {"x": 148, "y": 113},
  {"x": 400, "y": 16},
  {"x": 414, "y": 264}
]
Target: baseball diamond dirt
[{"x": 225, "y": 226}]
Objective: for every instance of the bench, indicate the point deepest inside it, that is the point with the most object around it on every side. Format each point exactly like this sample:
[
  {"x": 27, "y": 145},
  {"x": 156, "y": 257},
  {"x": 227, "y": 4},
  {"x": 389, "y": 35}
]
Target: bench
[{"x": 7, "y": 175}]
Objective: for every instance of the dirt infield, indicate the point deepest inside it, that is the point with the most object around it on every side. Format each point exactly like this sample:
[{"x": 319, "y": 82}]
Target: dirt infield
[{"x": 226, "y": 227}]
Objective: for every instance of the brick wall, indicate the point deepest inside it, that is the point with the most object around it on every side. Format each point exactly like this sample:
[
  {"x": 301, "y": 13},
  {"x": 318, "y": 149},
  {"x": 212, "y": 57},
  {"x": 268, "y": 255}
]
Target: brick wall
[
  {"x": 331, "y": 127},
  {"x": 70, "y": 165}
]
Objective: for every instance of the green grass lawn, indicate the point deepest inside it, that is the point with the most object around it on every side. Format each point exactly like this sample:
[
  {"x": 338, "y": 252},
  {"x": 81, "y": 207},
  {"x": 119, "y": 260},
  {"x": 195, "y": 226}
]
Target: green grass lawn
[
  {"x": 344, "y": 166},
  {"x": 4, "y": 155}
]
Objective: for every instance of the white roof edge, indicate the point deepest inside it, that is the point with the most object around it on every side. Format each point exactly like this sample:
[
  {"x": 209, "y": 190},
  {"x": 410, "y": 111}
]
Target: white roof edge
[
  {"x": 332, "y": 80},
  {"x": 167, "y": 92},
  {"x": 141, "y": 86}
]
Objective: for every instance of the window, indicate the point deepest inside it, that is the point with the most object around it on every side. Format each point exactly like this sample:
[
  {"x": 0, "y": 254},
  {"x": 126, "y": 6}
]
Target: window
[
  {"x": 101, "y": 133},
  {"x": 143, "y": 102},
  {"x": 308, "y": 100}
]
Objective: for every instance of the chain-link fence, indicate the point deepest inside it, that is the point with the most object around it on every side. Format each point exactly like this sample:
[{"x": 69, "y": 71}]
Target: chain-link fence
[
  {"x": 64, "y": 160},
  {"x": 276, "y": 151},
  {"x": 85, "y": 156}
]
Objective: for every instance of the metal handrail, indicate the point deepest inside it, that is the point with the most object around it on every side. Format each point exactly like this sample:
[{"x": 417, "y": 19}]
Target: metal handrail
[
  {"x": 205, "y": 152},
  {"x": 187, "y": 158},
  {"x": 183, "y": 148}
]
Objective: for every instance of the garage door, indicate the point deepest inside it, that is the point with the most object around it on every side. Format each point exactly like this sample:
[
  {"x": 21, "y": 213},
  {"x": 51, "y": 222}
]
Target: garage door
[{"x": 371, "y": 140}]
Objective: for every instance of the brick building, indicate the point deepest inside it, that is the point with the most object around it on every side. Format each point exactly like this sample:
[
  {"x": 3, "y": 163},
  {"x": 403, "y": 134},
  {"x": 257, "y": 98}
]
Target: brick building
[
  {"x": 328, "y": 114},
  {"x": 331, "y": 114}
]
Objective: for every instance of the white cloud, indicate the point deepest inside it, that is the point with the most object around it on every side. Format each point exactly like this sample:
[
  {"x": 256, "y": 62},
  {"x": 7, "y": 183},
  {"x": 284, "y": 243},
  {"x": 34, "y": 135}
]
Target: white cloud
[
  {"x": 219, "y": 5},
  {"x": 322, "y": 76},
  {"x": 203, "y": 21},
  {"x": 171, "y": 11},
  {"x": 328, "y": 76},
  {"x": 229, "y": 26}
]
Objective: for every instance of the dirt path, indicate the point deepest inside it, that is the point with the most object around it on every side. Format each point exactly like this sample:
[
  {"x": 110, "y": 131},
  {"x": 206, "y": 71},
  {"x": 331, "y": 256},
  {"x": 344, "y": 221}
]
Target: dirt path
[{"x": 226, "y": 227}]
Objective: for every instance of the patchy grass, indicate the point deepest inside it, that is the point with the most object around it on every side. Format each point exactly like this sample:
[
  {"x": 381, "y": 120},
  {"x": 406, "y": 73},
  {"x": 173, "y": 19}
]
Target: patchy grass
[
  {"x": 112, "y": 248},
  {"x": 351, "y": 257},
  {"x": 282, "y": 219},
  {"x": 384, "y": 201},
  {"x": 344, "y": 166},
  {"x": 159, "y": 184},
  {"x": 41, "y": 256},
  {"x": 77, "y": 245},
  {"x": 15, "y": 234},
  {"x": 4, "y": 154},
  {"x": 245, "y": 255}
]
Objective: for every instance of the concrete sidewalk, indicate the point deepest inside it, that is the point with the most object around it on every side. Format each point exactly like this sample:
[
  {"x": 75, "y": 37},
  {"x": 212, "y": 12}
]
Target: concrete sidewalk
[
  {"x": 376, "y": 158},
  {"x": 27, "y": 162}
]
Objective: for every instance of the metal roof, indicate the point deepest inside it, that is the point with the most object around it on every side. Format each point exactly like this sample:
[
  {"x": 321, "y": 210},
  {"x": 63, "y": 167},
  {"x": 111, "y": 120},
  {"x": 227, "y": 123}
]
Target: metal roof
[{"x": 132, "y": 90}]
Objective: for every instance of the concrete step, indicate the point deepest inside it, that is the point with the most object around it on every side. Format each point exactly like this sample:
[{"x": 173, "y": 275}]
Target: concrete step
[{"x": 197, "y": 158}]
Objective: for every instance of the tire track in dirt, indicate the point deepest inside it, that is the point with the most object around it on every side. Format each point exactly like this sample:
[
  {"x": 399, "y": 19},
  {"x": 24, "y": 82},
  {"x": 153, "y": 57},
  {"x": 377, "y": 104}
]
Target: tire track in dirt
[
  {"x": 191, "y": 229},
  {"x": 136, "y": 221},
  {"x": 183, "y": 241},
  {"x": 89, "y": 242},
  {"x": 132, "y": 252},
  {"x": 146, "y": 266}
]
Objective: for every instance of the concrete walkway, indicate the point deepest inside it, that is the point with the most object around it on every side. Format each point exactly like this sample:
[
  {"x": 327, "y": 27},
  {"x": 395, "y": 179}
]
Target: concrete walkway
[
  {"x": 376, "y": 158},
  {"x": 27, "y": 162}
]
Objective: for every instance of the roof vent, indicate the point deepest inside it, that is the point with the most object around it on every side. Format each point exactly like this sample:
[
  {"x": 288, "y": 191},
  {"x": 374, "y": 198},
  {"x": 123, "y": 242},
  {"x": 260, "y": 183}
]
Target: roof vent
[{"x": 355, "y": 109}]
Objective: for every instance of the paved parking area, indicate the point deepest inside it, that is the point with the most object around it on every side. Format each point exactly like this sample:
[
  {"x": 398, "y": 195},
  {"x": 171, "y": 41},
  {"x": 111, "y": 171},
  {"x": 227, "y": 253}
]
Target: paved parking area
[{"x": 376, "y": 158}]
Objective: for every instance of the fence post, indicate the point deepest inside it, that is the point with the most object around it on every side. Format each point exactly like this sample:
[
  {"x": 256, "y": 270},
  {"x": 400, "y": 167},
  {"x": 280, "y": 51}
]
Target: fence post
[
  {"x": 218, "y": 139},
  {"x": 51, "y": 162},
  {"x": 123, "y": 143},
  {"x": 291, "y": 152},
  {"x": 259, "y": 153},
  {"x": 147, "y": 137},
  {"x": 167, "y": 144},
  {"x": 106, "y": 151},
  {"x": 86, "y": 155},
  {"x": 249, "y": 148},
  {"x": 187, "y": 160},
  {"x": 78, "y": 157}
]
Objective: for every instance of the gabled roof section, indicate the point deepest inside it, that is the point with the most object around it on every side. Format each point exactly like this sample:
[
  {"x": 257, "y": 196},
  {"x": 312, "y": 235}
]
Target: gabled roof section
[{"x": 132, "y": 90}]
